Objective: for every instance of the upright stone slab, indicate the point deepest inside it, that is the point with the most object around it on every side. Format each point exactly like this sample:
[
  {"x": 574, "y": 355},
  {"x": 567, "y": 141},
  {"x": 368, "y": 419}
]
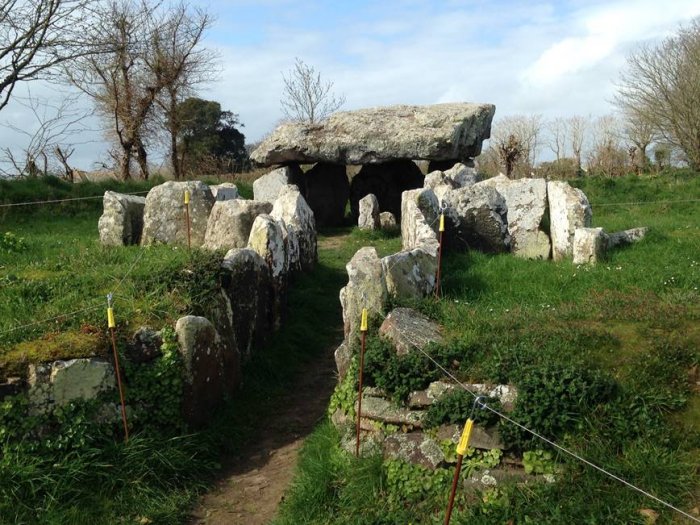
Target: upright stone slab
[
  {"x": 121, "y": 222},
  {"x": 267, "y": 240},
  {"x": 369, "y": 213},
  {"x": 410, "y": 274},
  {"x": 420, "y": 220},
  {"x": 269, "y": 186},
  {"x": 230, "y": 223},
  {"x": 568, "y": 209},
  {"x": 408, "y": 330},
  {"x": 476, "y": 218},
  {"x": 590, "y": 245},
  {"x": 247, "y": 286},
  {"x": 164, "y": 214},
  {"x": 365, "y": 289},
  {"x": 526, "y": 200},
  {"x": 225, "y": 192},
  {"x": 436, "y": 132},
  {"x": 204, "y": 385},
  {"x": 293, "y": 209},
  {"x": 327, "y": 193}
]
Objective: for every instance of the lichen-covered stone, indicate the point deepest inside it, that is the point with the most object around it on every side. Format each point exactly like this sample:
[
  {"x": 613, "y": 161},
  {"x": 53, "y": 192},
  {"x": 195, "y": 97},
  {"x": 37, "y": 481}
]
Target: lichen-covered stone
[
  {"x": 476, "y": 218},
  {"x": 387, "y": 221},
  {"x": 230, "y": 223},
  {"x": 369, "y": 213},
  {"x": 164, "y": 213},
  {"x": 343, "y": 358},
  {"x": 590, "y": 245},
  {"x": 408, "y": 330},
  {"x": 420, "y": 212},
  {"x": 121, "y": 223},
  {"x": 225, "y": 191},
  {"x": 568, "y": 209},
  {"x": 144, "y": 345},
  {"x": 204, "y": 385},
  {"x": 292, "y": 208},
  {"x": 410, "y": 274},
  {"x": 384, "y": 411},
  {"x": 269, "y": 186},
  {"x": 415, "y": 447},
  {"x": 366, "y": 288},
  {"x": 458, "y": 176},
  {"x": 483, "y": 438},
  {"x": 625, "y": 237},
  {"x": 526, "y": 201},
  {"x": 435, "y": 132}
]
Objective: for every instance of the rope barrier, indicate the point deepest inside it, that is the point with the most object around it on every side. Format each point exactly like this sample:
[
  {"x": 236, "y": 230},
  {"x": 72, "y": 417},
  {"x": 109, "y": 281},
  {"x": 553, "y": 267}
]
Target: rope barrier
[
  {"x": 639, "y": 203},
  {"x": 32, "y": 203}
]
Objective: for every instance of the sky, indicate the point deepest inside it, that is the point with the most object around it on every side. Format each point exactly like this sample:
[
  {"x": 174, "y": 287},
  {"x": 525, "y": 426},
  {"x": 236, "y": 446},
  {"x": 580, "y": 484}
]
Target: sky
[{"x": 554, "y": 58}]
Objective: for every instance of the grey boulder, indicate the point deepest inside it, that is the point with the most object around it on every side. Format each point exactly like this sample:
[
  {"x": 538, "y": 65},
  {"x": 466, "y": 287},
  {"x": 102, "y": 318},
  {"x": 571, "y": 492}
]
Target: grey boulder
[{"x": 121, "y": 222}]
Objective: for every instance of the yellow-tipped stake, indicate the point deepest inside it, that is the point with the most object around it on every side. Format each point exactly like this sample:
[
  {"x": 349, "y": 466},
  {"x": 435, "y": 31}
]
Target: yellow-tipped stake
[
  {"x": 187, "y": 218},
  {"x": 363, "y": 331},
  {"x": 439, "y": 261},
  {"x": 462, "y": 448},
  {"x": 112, "y": 325}
]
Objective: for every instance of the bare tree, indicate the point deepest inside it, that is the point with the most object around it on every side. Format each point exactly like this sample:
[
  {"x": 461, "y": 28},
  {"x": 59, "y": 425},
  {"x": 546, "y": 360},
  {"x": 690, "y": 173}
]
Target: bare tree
[
  {"x": 523, "y": 130},
  {"x": 640, "y": 132},
  {"x": 185, "y": 64},
  {"x": 306, "y": 97},
  {"x": 510, "y": 151},
  {"x": 577, "y": 128},
  {"x": 36, "y": 36},
  {"x": 608, "y": 155},
  {"x": 558, "y": 135},
  {"x": 662, "y": 83}
]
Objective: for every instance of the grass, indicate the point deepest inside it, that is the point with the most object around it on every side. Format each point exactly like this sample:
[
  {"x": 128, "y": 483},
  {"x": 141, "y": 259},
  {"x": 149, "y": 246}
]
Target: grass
[{"x": 632, "y": 321}]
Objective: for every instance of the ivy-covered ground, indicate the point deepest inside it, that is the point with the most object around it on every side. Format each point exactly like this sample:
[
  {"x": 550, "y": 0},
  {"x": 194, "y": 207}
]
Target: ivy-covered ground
[{"x": 606, "y": 362}]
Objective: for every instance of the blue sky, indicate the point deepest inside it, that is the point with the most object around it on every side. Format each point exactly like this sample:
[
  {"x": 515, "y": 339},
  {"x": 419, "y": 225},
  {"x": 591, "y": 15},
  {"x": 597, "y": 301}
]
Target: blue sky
[{"x": 550, "y": 58}]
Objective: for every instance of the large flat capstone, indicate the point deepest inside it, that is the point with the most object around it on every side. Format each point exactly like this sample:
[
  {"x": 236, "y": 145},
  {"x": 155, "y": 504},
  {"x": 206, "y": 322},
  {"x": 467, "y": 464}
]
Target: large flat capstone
[{"x": 436, "y": 132}]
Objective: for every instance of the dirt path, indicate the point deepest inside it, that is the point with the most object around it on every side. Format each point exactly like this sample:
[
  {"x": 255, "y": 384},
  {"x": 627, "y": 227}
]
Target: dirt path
[{"x": 251, "y": 489}]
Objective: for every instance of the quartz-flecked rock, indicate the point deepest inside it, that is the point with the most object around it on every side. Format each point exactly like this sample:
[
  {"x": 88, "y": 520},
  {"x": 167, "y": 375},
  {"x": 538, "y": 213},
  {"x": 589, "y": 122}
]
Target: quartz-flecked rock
[
  {"x": 410, "y": 274},
  {"x": 230, "y": 223},
  {"x": 366, "y": 288},
  {"x": 369, "y": 213},
  {"x": 568, "y": 209},
  {"x": 415, "y": 447},
  {"x": 164, "y": 214},
  {"x": 420, "y": 213},
  {"x": 269, "y": 186},
  {"x": 247, "y": 286},
  {"x": 435, "y": 132},
  {"x": 627, "y": 237},
  {"x": 121, "y": 222},
  {"x": 526, "y": 200},
  {"x": 204, "y": 386},
  {"x": 327, "y": 193},
  {"x": 387, "y": 221},
  {"x": 292, "y": 208},
  {"x": 225, "y": 191},
  {"x": 387, "y": 181},
  {"x": 590, "y": 245},
  {"x": 408, "y": 329},
  {"x": 267, "y": 240},
  {"x": 476, "y": 218},
  {"x": 55, "y": 384}
]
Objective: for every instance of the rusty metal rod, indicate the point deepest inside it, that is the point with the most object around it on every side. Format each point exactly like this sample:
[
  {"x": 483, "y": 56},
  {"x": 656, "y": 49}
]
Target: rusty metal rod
[
  {"x": 359, "y": 395},
  {"x": 455, "y": 481},
  {"x": 120, "y": 386}
]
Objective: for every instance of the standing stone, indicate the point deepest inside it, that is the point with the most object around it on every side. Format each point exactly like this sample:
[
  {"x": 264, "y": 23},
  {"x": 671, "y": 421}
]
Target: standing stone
[
  {"x": 204, "y": 387},
  {"x": 420, "y": 220},
  {"x": 230, "y": 223},
  {"x": 268, "y": 187},
  {"x": 374, "y": 135},
  {"x": 526, "y": 200},
  {"x": 477, "y": 219},
  {"x": 369, "y": 213},
  {"x": 410, "y": 274},
  {"x": 225, "y": 192},
  {"x": 590, "y": 245},
  {"x": 327, "y": 192},
  {"x": 267, "y": 240},
  {"x": 292, "y": 208},
  {"x": 387, "y": 181},
  {"x": 365, "y": 289},
  {"x": 121, "y": 222},
  {"x": 164, "y": 214},
  {"x": 247, "y": 286},
  {"x": 343, "y": 359},
  {"x": 408, "y": 330},
  {"x": 387, "y": 221},
  {"x": 568, "y": 209}
]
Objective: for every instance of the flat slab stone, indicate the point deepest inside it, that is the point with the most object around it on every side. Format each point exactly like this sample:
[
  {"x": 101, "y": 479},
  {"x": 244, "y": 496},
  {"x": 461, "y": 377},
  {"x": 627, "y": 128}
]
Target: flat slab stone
[
  {"x": 408, "y": 329},
  {"x": 379, "y": 409},
  {"x": 451, "y": 131},
  {"x": 414, "y": 447}
]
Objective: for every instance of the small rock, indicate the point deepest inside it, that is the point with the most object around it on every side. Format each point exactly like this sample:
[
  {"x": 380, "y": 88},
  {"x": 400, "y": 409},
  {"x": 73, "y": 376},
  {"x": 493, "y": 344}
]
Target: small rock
[
  {"x": 369, "y": 213},
  {"x": 627, "y": 237},
  {"x": 414, "y": 447},
  {"x": 408, "y": 329},
  {"x": 387, "y": 221},
  {"x": 590, "y": 245},
  {"x": 650, "y": 516},
  {"x": 225, "y": 192},
  {"x": 379, "y": 409}
]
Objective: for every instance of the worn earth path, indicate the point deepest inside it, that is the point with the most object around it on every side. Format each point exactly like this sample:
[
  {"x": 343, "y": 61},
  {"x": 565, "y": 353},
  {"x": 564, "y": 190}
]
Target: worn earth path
[{"x": 254, "y": 485}]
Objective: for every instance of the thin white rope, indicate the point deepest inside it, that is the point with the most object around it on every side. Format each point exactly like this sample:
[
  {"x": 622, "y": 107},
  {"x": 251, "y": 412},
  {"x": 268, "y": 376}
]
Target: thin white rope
[
  {"x": 639, "y": 203},
  {"x": 32, "y": 203}
]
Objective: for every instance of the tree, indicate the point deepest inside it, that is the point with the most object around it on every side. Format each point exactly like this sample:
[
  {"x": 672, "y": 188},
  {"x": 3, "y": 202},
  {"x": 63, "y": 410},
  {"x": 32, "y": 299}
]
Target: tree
[
  {"x": 521, "y": 133},
  {"x": 608, "y": 156},
  {"x": 557, "y": 137},
  {"x": 307, "y": 98},
  {"x": 639, "y": 132},
  {"x": 38, "y": 35},
  {"x": 208, "y": 137},
  {"x": 577, "y": 127},
  {"x": 662, "y": 84},
  {"x": 510, "y": 151}
]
